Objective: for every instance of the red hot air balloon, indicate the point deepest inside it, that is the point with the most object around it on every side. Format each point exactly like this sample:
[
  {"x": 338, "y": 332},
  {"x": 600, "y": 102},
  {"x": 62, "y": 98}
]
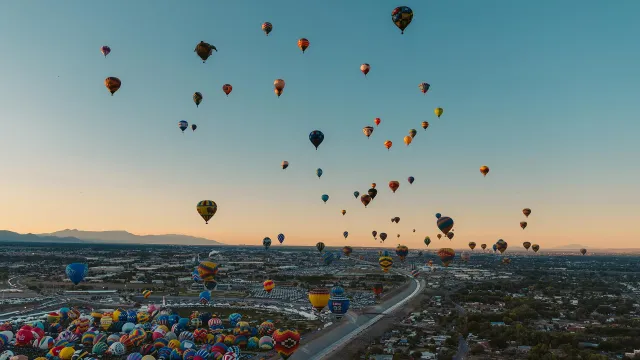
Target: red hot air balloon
[
  {"x": 394, "y": 185},
  {"x": 227, "y": 88},
  {"x": 365, "y": 69},
  {"x": 377, "y": 121},
  {"x": 365, "y": 199},
  {"x": 303, "y": 44}
]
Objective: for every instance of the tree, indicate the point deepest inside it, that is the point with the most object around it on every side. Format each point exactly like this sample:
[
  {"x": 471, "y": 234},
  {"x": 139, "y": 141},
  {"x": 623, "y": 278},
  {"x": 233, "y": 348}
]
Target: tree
[
  {"x": 477, "y": 349},
  {"x": 416, "y": 355}
]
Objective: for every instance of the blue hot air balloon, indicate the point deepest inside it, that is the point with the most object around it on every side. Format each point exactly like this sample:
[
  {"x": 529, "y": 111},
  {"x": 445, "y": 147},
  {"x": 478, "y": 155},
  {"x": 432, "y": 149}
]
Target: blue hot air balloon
[
  {"x": 195, "y": 275},
  {"x": 316, "y": 137},
  {"x": 356, "y": 194},
  {"x": 76, "y": 272},
  {"x": 339, "y": 305},
  {"x": 234, "y": 319},
  {"x": 325, "y": 198},
  {"x": 495, "y": 247},
  {"x": 337, "y": 291},
  {"x": 328, "y": 257},
  {"x": 319, "y": 173},
  {"x": 345, "y": 234},
  {"x": 183, "y": 125},
  {"x": 205, "y": 297},
  {"x": 281, "y": 238}
]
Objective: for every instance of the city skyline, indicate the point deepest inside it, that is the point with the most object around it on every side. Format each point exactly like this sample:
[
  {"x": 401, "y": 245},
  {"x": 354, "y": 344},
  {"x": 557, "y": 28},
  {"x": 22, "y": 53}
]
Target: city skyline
[{"x": 524, "y": 91}]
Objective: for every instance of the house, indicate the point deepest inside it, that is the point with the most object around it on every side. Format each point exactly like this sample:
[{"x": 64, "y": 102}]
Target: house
[
  {"x": 497, "y": 323},
  {"x": 428, "y": 355}
]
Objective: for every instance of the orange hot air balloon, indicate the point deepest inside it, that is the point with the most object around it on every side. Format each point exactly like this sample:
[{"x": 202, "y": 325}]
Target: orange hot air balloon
[
  {"x": 377, "y": 121},
  {"x": 365, "y": 69},
  {"x": 484, "y": 170},
  {"x": 394, "y": 185},
  {"x": 227, "y": 88},
  {"x": 483, "y": 246},
  {"x": 439, "y": 236},
  {"x": 373, "y": 185},
  {"x": 408, "y": 140},
  {"x": 526, "y": 212},
  {"x": 343, "y": 212},
  {"x": 278, "y": 86},
  {"x": 523, "y": 224},
  {"x": 365, "y": 199},
  {"x": 472, "y": 245},
  {"x": 388, "y": 144},
  {"x": 112, "y": 84},
  {"x": 425, "y": 125},
  {"x": 303, "y": 44},
  {"x": 268, "y": 285}
]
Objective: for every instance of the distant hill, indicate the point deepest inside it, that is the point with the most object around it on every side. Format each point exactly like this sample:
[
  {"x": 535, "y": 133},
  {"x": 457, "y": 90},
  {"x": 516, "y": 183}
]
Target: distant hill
[
  {"x": 124, "y": 237},
  {"x": 10, "y": 236},
  {"x": 570, "y": 247}
]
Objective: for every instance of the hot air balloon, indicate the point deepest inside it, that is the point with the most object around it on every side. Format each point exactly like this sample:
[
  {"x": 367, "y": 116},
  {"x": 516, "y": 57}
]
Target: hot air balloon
[
  {"x": 372, "y": 192},
  {"x": 356, "y": 194},
  {"x": 281, "y": 238},
  {"x": 207, "y": 270},
  {"x": 205, "y": 297},
  {"x": 377, "y": 289},
  {"x": 319, "y": 298},
  {"x": 450, "y": 235},
  {"x": 402, "y": 16},
  {"x": 388, "y": 144},
  {"x": 76, "y": 272},
  {"x": 408, "y": 140},
  {"x": 506, "y": 261},
  {"x": 147, "y": 293},
  {"x": 483, "y": 246},
  {"x": 266, "y": 242},
  {"x": 377, "y": 121},
  {"x": 194, "y": 127},
  {"x": 484, "y": 170},
  {"x": 316, "y": 137},
  {"x": 227, "y": 88},
  {"x": 285, "y": 164},
  {"x": 206, "y": 209},
  {"x": 526, "y": 212},
  {"x": 427, "y": 240},
  {"x": 425, "y": 125},
  {"x": 439, "y": 236},
  {"x": 385, "y": 261},
  {"x": 347, "y": 250},
  {"x": 465, "y": 256},
  {"x": 535, "y": 247},
  {"x": 472, "y": 245},
  {"x": 320, "y": 246},
  {"x": 402, "y": 251},
  {"x": 268, "y": 285},
  {"x": 495, "y": 248},
  {"x": 303, "y": 44},
  {"x": 523, "y": 224},
  {"x": 197, "y": 98},
  {"x": 583, "y": 251},
  {"x": 501, "y": 245},
  {"x": 526, "y": 245},
  {"x": 319, "y": 173},
  {"x": 367, "y": 130},
  {"x": 365, "y": 199},
  {"x": 438, "y": 111},
  {"x": 345, "y": 234},
  {"x": 112, "y": 84},
  {"x": 396, "y": 219},
  {"x": 375, "y": 234},
  {"x": 445, "y": 223},
  {"x": 365, "y": 69},
  {"x": 394, "y": 185},
  {"x": 325, "y": 198},
  {"x": 339, "y": 305},
  {"x": 383, "y": 236},
  {"x": 105, "y": 50},
  {"x": 446, "y": 255},
  {"x": 204, "y": 50},
  {"x": 286, "y": 342},
  {"x": 424, "y": 87},
  {"x": 278, "y": 86},
  {"x": 267, "y": 27},
  {"x": 411, "y": 179},
  {"x": 183, "y": 125},
  {"x": 413, "y": 133}
]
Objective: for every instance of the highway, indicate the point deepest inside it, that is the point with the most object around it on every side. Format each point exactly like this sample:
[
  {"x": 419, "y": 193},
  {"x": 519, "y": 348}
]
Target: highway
[{"x": 352, "y": 324}]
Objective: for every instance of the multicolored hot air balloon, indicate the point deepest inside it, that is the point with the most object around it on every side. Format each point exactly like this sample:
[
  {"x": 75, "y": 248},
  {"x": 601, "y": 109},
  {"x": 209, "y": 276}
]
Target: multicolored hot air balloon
[
  {"x": 484, "y": 170},
  {"x": 316, "y": 137},
  {"x": 112, "y": 84},
  {"x": 206, "y": 209},
  {"x": 266, "y": 242},
  {"x": 267, "y": 27},
  {"x": 365, "y": 199},
  {"x": 425, "y": 125},
  {"x": 227, "y": 88},
  {"x": 367, "y": 131},
  {"x": 347, "y": 250},
  {"x": 204, "y": 50},
  {"x": 268, "y": 285},
  {"x": 377, "y": 121},
  {"x": 413, "y": 133},
  {"x": 325, "y": 198},
  {"x": 147, "y": 293},
  {"x": 105, "y": 50},
  {"x": 281, "y": 238},
  {"x": 205, "y": 297},
  {"x": 394, "y": 185},
  {"x": 285, "y": 164},
  {"x": 318, "y": 173},
  {"x": 583, "y": 251},
  {"x": 446, "y": 255},
  {"x": 501, "y": 245},
  {"x": 344, "y": 212},
  {"x": 339, "y": 305},
  {"x": 472, "y": 245},
  {"x": 197, "y": 98},
  {"x": 526, "y": 245},
  {"x": 402, "y": 16},
  {"x": 303, "y": 44},
  {"x": 526, "y": 212},
  {"x": 445, "y": 223},
  {"x": 365, "y": 69},
  {"x": 438, "y": 111},
  {"x": 388, "y": 144},
  {"x": 411, "y": 179},
  {"x": 76, "y": 272},
  {"x": 424, "y": 87},
  {"x": 385, "y": 261},
  {"x": 407, "y": 140},
  {"x": 319, "y": 298},
  {"x": 183, "y": 125},
  {"x": 278, "y": 86},
  {"x": 286, "y": 342},
  {"x": 535, "y": 247},
  {"x": 427, "y": 240},
  {"x": 402, "y": 251},
  {"x": 523, "y": 224}
]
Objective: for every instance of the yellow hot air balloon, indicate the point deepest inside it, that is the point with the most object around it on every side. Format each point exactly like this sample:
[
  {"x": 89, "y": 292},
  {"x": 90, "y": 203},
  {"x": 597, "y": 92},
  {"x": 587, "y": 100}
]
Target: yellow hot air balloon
[
  {"x": 105, "y": 322},
  {"x": 438, "y": 111},
  {"x": 319, "y": 298},
  {"x": 408, "y": 140},
  {"x": 206, "y": 209},
  {"x": 484, "y": 170}
]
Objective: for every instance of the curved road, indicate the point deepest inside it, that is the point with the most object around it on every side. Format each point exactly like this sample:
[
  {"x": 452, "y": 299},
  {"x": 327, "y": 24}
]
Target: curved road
[{"x": 352, "y": 325}]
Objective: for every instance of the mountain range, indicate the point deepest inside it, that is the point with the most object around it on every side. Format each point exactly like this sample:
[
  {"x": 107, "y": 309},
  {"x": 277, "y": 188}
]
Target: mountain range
[{"x": 105, "y": 237}]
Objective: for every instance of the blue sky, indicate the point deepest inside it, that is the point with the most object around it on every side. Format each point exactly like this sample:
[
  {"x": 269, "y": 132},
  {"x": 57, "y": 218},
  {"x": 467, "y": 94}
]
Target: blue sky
[{"x": 544, "y": 93}]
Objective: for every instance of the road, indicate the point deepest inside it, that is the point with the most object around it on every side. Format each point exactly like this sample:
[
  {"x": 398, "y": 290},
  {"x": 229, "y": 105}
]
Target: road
[{"x": 352, "y": 324}]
